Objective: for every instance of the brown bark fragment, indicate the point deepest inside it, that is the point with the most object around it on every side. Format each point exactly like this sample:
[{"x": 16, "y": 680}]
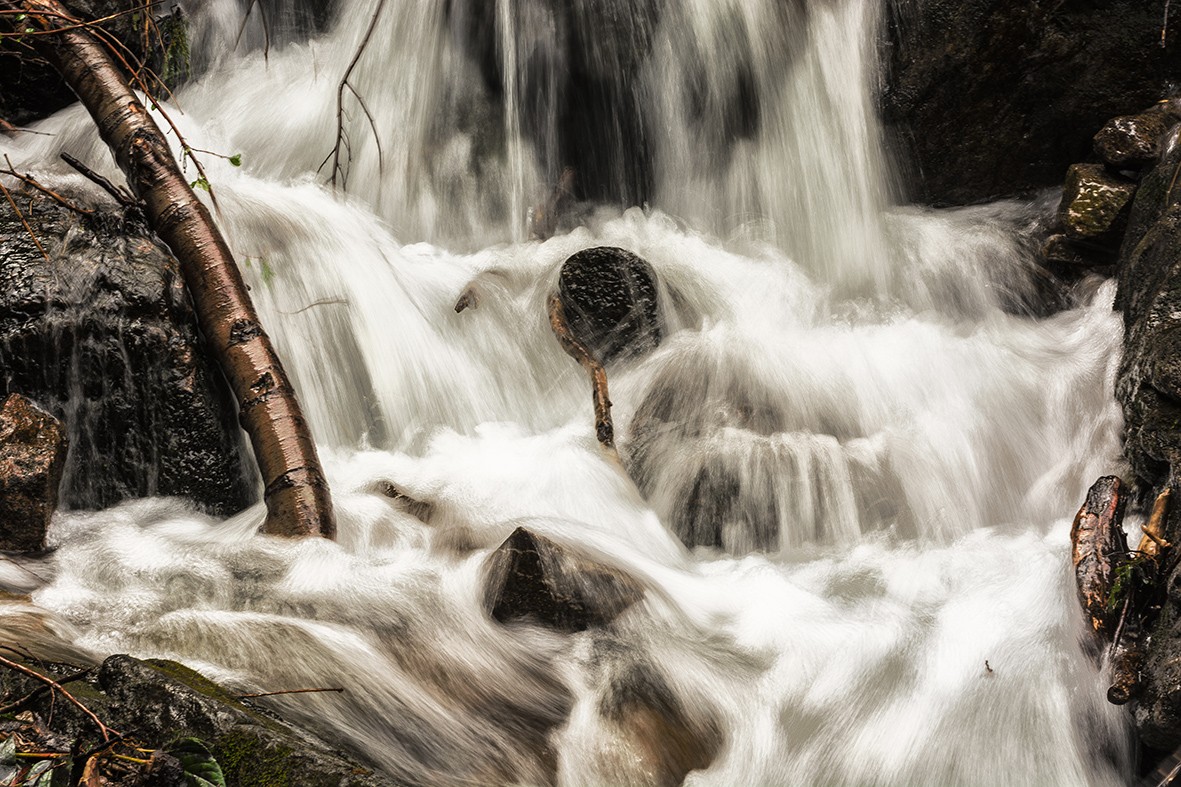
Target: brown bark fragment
[{"x": 1098, "y": 541}]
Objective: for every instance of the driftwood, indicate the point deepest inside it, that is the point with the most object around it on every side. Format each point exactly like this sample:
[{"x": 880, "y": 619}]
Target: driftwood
[{"x": 296, "y": 493}]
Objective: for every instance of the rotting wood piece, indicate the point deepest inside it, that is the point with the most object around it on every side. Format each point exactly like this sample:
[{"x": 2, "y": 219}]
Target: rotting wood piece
[
  {"x": 1098, "y": 542},
  {"x": 296, "y": 491},
  {"x": 604, "y": 429}
]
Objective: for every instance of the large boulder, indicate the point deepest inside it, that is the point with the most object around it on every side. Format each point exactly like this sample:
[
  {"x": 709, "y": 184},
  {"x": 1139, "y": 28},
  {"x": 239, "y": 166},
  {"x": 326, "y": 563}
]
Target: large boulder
[
  {"x": 103, "y": 335},
  {"x": 32, "y": 455},
  {"x": 991, "y": 98}
]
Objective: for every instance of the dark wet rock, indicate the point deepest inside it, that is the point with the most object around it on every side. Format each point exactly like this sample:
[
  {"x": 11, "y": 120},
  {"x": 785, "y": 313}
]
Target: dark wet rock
[
  {"x": 103, "y": 335},
  {"x": 32, "y": 456},
  {"x": 30, "y": 88},
  {"x": 990, "y": 98},
  {"x": 610, "y": 299},
  {"x": 1095, "y": 203},
  {"x": 1149, "y": 389},
  {"x": 1131, "y": 141},
  {"x": 164, "y": 700},
  {"x": 531, "y": 578},
  {"x": 1149, "y": 383},
  {"x": 1059, "y": 249},
  {"x": 580, "y": 86}
]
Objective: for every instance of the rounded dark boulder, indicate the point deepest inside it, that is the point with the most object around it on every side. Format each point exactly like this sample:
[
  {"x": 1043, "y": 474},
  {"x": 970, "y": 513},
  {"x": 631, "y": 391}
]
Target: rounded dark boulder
[{"x": 610, "y": 299}]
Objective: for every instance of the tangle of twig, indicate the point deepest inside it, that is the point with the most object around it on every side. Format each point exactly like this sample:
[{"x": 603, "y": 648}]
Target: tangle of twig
[{"x": 341, "y": 135}]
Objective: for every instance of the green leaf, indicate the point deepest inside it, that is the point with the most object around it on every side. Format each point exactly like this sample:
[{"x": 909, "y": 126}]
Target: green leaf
[
  {"x": 201, "y": 770},
  {"x": 236, "y": 159},
  {"x": 40, "y": 775},
  {"x": 8, "y": 750},
  {"x": 200, "y": 183},
  {"x": 21, "y": 17}
]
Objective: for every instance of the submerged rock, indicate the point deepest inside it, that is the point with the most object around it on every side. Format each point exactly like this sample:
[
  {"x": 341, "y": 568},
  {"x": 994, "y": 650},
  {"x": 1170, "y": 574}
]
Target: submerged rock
[
  {"x": 530, "y": 577},
  {"x": 1095, "y": 203},
  {"x": 32, "y": 455},
  {"x": 103, "y": 335},
  {"x": 1135, "y": 140},
  {"x": 609, "y": 296}
]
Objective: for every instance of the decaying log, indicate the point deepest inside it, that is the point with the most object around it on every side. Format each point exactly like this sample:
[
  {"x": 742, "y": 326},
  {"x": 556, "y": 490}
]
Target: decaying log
[
  {"x": 1098, "y": 542},
  {"x": 296, "y": 493},
  {"x": 604, "y": 429}
]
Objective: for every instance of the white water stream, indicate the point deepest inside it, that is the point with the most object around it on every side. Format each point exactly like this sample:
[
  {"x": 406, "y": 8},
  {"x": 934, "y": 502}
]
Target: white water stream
[{"x": 920, "y": 451}]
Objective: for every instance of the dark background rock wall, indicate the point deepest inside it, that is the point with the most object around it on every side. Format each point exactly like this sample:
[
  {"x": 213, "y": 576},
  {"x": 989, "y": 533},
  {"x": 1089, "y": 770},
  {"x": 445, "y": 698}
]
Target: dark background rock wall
[{"x": 993, "y": 98}]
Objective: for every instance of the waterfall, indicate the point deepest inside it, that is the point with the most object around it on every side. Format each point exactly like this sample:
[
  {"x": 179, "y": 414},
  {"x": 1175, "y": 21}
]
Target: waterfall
[{"x": 869, "y": 444}]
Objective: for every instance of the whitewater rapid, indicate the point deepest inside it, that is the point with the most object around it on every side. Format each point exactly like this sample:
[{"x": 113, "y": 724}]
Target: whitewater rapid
[{"x": 904, "y": 614}]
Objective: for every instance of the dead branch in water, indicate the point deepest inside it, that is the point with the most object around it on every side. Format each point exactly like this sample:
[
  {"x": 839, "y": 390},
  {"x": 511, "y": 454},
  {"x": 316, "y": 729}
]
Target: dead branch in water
[
  {"x": 32, "y": 182},
  {"x": 287, "y": 691},
  {"x": 120, "y": 195},
  {"x": 21, "y": 216},
  {"x": 604, "y": 429}
]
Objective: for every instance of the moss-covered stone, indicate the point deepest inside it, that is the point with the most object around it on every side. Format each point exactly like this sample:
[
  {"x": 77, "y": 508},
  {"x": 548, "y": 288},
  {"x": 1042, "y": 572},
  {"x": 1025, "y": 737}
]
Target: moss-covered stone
[{"x": 1095, "y": 203}]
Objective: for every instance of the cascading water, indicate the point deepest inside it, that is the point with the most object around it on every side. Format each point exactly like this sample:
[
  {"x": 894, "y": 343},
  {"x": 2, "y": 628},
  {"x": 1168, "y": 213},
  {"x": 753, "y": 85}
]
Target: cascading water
[{"x": 851, "y": 413}]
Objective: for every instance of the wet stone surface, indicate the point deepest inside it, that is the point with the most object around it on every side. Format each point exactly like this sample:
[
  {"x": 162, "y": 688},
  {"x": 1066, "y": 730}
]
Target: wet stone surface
[
  {"x": 32, "y": 455},
  {"x": 1095, "y": 203},
  {"x": 102, "y": 334}
]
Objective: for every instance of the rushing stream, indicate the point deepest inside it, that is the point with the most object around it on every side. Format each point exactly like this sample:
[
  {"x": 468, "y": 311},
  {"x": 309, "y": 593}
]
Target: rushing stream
[{"x": 892, "y": 601}]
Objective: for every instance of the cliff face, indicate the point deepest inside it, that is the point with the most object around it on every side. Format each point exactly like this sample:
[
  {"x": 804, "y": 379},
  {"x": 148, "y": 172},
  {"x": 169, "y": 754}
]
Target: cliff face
[{"x": 994, "y": 98}]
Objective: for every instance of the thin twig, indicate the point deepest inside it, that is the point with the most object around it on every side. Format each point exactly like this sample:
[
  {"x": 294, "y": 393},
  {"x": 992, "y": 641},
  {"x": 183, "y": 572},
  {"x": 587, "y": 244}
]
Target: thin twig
[
  {"x": 288, "y": 691},
  {"x": 74, "y": 22},
  {"x": 120, "y": 195},
  {"x": 324, "y": 302},
  {"x": 21, "y": 668},
  {"x": 21, "y": 216},
  {"x": 29, "y": 180},
  {"x": 37, "y": 692},
  {"x": 266, "y": 28},
  {"x": 340, "y": 88}
]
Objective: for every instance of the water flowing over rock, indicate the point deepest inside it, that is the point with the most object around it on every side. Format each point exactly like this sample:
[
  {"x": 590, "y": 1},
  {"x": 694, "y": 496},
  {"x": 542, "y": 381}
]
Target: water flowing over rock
[
  {"x": 103, "y": 335},
  {"x": 32, "y": 454},
  {"x": 532, "y": 578},
  {"x": 995, "y": 98}
]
